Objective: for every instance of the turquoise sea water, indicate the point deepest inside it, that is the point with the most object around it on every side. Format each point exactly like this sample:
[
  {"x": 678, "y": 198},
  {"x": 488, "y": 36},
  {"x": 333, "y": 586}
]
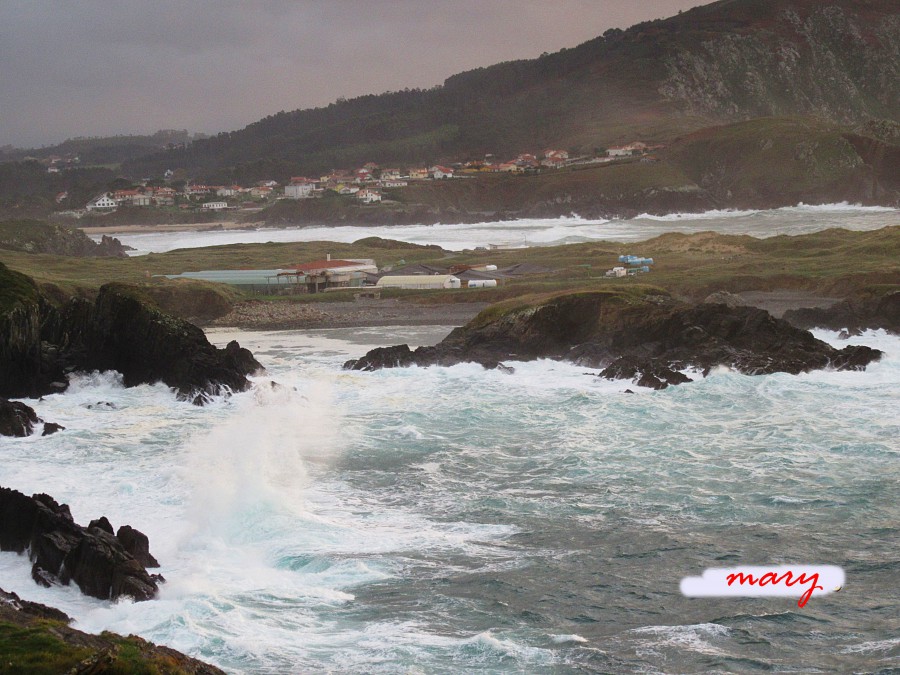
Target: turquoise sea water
[{"x": 449, "y": 520}]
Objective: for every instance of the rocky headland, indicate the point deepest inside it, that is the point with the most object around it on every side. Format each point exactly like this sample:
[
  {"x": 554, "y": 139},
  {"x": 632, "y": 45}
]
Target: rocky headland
[
  {"x": 35, "y": 236},
  {"x": 855, "y": 314},
  {"x": 42, "y": 342},
  {"x": 642, "y": 335}
]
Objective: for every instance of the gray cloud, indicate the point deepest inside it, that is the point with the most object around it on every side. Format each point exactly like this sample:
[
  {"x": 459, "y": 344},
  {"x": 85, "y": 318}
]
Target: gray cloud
[{"x": 90, "y": 68}]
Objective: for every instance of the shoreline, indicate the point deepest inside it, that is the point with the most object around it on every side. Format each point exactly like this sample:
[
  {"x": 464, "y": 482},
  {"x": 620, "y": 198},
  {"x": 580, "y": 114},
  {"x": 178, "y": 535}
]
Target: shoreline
[
  {"x": 672, "y": 215},
  {"x": 362, "y": 313},
  {"x": 113, "y": 230},
  {"x": 369, "y": 313}
]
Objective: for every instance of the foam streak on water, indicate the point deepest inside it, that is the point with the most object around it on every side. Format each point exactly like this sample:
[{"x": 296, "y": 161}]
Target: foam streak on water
[
  {"x": 462, "y": 520},
  {"x": 793, "y": 220}
]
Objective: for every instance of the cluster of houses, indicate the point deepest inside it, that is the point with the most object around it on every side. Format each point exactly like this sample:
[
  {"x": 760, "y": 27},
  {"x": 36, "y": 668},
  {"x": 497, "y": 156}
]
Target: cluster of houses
[
  {"x": 56, "y": 163},
  {"x": 209, "y": 197},
  {"x": 365, "y": 183}
]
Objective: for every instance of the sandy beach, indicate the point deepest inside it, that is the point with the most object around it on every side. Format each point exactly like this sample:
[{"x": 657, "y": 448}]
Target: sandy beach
[
  {"x": 259, "y": 315},
  {"x": 113, "y": 230},
  {"x": 368, "y": 312}
]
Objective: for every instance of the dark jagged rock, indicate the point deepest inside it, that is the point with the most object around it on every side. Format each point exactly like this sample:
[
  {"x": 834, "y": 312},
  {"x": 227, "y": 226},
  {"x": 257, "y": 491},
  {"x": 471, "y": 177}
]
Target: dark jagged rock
[
  {"x": 103, "y": 523},
  {"x": 16, "y": 418},
  {"x": 122, "y": 331},
  {"x": 643, "y": 335},
  {"x": 12, "y": 601},
  {"x": 51, "y": 428},
  {"x": 137, "y": 544},
  {"x": 65, "y": 649},
  {"x": 62, "y": 551},
  {"x": 399, "y": 356},
  {"x": 853, "y": 314}
]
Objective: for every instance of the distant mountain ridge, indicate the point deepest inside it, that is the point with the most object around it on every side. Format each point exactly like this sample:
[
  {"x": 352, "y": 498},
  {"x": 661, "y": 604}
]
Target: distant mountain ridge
[{"x": 731, "y": 60}]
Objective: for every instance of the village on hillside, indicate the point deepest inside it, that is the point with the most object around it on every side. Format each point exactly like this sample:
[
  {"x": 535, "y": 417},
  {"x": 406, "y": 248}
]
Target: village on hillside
[{"x": 366, "y": 184}]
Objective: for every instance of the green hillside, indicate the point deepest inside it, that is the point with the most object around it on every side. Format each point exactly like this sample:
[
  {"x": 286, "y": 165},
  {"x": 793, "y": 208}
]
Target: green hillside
[{"x": 727, "y": 61}]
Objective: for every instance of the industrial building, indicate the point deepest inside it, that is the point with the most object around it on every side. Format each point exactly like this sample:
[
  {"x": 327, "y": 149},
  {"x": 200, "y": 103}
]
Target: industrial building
[{"x": 420, "y": 281}]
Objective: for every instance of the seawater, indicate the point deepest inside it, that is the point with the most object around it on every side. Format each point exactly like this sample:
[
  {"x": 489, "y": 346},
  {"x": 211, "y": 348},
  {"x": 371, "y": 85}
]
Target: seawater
[
  {"x": 457, "y": 520},
  {"x": 800, "y": 219}
]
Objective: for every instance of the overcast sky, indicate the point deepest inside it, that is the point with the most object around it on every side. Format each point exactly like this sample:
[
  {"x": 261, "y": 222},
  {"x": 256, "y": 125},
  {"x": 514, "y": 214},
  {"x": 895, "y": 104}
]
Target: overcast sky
[{"x": 104, "y": 67}]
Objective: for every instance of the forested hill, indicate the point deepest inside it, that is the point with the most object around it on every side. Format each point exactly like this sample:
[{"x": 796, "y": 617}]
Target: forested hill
[
  {"x": 103, "y": 150},
  {"x": 726, "y": 61}
]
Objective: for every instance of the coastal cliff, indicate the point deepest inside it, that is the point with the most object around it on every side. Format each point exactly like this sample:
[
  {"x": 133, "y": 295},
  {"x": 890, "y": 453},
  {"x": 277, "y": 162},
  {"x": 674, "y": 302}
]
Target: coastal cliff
[
  {"x": 102, "y": 564},
  {"x": 40, "y": 343},
  {"x": 642, "y": 335}
]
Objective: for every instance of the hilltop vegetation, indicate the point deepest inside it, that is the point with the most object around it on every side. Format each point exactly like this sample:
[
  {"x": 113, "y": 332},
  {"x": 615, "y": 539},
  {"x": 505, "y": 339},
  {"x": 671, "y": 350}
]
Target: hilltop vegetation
[
  {"x": 97, "y": 150},
  {"x": 760, "y": 163},
  {"x": 655, "y": 81}
]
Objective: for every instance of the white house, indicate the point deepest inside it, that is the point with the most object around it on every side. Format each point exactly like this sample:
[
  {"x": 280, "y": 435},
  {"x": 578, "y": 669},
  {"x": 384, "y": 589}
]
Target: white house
[
  {"x": 299, "y": 190},
  {"x": 215, "y": 206},
  {"x": 368, "y": 196},
  {"x": 439, "y": 172},
  {"x": 618, "y": 151},
  {"x": 225, "y": 191},
  {"x": 101, "y": 203}
]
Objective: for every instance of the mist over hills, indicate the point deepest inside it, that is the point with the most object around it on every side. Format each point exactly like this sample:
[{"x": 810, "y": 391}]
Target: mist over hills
[{"x": 837, "y": 60}]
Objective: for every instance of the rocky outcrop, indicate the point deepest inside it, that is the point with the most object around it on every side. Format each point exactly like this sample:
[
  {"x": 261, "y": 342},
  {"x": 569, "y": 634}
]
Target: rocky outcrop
[
  {"x": 35, "y": 236},
  {"x": 65, "y": 649},
  {"x": 18, "y": 419},
  {"x": 854, "y": 314},
  {"x": 121, "y": 330},
  {"x": 136, "y": 543},
  {"x": 63, "y": 551},
  {"x": 644, "y": 336}
]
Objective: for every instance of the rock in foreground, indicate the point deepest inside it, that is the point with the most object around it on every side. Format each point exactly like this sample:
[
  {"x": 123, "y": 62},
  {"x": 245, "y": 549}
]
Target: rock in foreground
[
  {"x": 638, "y": 334},
  {"x": 62, "y": 551},
  {"x": 35, "y": 638}
]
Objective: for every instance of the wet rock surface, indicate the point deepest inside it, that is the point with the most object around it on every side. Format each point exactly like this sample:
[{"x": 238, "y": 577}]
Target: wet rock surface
[
  {"x": 648, "y": 338},
  {"x": 62, "y": 551},
  {"x": 41, "y": 343},
  {"x": 853, "y": 314},
  {"x": 16, "y": 418}
]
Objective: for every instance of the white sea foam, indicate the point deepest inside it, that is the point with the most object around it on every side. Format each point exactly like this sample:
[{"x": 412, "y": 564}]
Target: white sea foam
[
  {"x": 300, "y": 527},
  {"x": 543, "y": 232}
]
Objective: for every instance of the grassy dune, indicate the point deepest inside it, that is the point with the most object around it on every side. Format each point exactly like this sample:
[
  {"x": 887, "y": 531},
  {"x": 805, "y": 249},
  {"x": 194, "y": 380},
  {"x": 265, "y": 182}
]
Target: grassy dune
[{"x": 833, "y": 262}]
